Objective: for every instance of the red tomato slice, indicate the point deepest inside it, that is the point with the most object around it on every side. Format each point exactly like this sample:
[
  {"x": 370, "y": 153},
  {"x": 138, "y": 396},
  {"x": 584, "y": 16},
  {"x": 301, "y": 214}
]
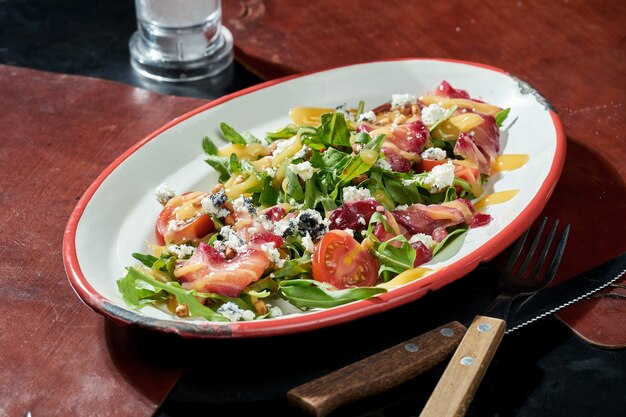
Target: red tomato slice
[
  {"x": 341, "y": 261},
  {"x": 191, "y": 224},
  {"x": 429, "y": 164}
]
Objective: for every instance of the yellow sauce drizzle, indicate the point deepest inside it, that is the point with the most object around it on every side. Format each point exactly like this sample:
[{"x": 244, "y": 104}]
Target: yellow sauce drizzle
[
  {"x": 406, "y": 277},
  {"x": 510, "y": 162},
  {"x": 308, "y": 116},
  {"x": 496, "y": 198}
]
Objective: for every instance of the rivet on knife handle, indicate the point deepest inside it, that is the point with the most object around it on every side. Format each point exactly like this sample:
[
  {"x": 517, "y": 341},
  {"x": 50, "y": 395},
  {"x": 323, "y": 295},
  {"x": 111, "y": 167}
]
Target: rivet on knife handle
[
  {"x": 379, "y": 372},
  {"x": 460, "y": 380}
]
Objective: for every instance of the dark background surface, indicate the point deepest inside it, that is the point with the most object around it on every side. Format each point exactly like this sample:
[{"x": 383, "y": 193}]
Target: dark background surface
[{"x": 541, "y": 370}]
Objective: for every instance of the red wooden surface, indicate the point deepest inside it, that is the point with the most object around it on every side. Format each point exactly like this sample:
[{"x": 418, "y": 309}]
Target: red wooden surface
[
  {"x": 56, "y": 356},
  {"x": 571, "y": 51}
]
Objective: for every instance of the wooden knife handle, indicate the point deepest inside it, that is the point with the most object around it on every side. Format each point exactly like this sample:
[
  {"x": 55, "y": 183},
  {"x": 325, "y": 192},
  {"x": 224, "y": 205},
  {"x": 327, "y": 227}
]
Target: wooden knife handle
[
  {"x": 466, "y": 369},
  {"x": 378, "y": 372}
]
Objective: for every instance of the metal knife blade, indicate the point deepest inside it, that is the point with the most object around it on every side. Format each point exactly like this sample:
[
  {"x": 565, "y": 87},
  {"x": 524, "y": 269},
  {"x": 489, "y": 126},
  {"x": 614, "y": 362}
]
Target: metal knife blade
[
  {"x": 406, "y": 360},
  {"x": 551, "y": 300}
]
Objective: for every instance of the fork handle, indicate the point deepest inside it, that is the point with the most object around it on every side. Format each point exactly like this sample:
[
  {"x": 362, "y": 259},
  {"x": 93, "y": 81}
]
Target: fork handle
[
  {"x": 377, "y": 373},
  {"x": 466, "y": 369}
]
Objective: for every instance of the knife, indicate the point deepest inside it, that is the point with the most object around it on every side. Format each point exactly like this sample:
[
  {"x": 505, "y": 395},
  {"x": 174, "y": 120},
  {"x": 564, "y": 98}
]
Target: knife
[{"x": 402, "y": 362}]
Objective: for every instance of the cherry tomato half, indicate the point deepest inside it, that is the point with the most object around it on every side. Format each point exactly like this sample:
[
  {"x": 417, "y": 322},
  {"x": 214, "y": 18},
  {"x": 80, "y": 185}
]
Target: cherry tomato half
[
  {"x": 341, "y": 261},
  {"x": 189, "y": 224}
]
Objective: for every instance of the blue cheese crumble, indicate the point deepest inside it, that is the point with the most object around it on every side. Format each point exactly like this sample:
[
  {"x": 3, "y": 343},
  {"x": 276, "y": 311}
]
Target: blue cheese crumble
[
  {"x": 437, "y": 154},
  {"x": 233, "y": 312},
  {"x": 164, "y": 193},
  {"x": 368, "y": 116},
  {"x": 181, "y": 251}
]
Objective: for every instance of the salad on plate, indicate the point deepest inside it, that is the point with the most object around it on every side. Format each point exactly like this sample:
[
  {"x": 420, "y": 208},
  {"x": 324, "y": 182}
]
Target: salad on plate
[{"x": 327, "y": 210}]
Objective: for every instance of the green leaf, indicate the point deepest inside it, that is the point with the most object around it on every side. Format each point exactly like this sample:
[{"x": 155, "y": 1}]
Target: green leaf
[
  {"x": 400, "y": 193},
  {"x": 360, "y": 109},
  {"x": 395, "y": 259},
  {"x": 294, "y": 189},
  {"x": 234, "y": 164},
  {"x": 269, "y": 195},
  {"x": 262, "y": 288},
  {"x": 309, "y": 293},
  {"x": 285, "y": 133},
  {"x": 209, "y": 147},
  {"x": 357, "y": 164},
  {"x": 232, "y": 135},
  {"x": 296, "y": 267},
  {"x": 334, "y": 130},
  {"x": 147, "y": 260},
  {"x": 182, "y": 296},
  {"x": 221, "y": 164},
  {"x": 502, "y": 115},
  {"x": 449, "y": 238}
]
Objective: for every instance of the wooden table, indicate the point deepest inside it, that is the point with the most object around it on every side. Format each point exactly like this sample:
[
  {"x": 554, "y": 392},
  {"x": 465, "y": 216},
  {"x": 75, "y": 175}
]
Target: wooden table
[{"x": 58, "y": 132}]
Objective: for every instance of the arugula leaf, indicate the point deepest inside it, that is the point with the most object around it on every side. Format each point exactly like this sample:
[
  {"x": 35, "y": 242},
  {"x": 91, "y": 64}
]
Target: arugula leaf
[
  {"x": 334, "y": 130},
  {"x": 147, "y": 260},
  {"x": 395, "y": 259},
  {"x": 131, "y": 293},
  {"x": 209, "y": 147},
  {"x": 295, "y": 267},
  {"x": 268, "y": 195},
  {"x": 310, "y": 293},
  {"x": 502, "y": 115},
  {"x": 360, "y": 109},
  {"x": 449, "y": 238},
  {"x": 285, "y": 133},
  {"x": 364, "y": 160},
  {"x": 232, "y": 135},
  {"x": 294, "y": 189},
  {"x": 400, "y": 193},
  {"x": 234, "y": 164},
  {"x": 262, "y": 288},
  {"x": 220, "y": 163}
]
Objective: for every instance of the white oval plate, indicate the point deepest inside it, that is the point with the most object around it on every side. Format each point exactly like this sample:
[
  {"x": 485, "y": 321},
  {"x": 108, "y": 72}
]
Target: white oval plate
[{"x": 116, "y": 215}]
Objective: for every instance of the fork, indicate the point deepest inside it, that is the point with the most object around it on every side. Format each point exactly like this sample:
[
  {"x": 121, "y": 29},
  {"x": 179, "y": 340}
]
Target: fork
[{"x": 468, "y": 365}]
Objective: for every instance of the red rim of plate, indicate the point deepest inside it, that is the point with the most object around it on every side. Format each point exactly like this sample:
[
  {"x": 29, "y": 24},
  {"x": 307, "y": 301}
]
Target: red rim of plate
[{"x": 318, "y": 319}]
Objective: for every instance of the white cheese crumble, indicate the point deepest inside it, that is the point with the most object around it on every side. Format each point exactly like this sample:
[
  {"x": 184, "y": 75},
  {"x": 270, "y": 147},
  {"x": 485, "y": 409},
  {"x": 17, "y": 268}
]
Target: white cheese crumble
[
  {"x": 424, "y": 238},
  {"x": 349, "y": 231},
  {"x": 281, "y": 145},
  {"x": 164, "y": 193},
  {"x": 304, "y": 170},
  {"x": 432, "y": 114},
  {"x": 368, "y": 116},
  {"x": 308, "y": 244},
  {"x": 208, "y": 206},
  {"x": 284, "y": 227},
  {"x": 383, "y": 164},
  {"x": 271, "y": 172},
  {"x": 181, "y": 251},
  {"x": 437, "y": 154},
  {"x": 401, "y": 100},
  {"x": 231, "y": 239},
  {"x": 233, "y": 312},
  {"x": 440, "y": 177},
  {"x": 343, "y": 109},
  {"x": 302, "y": 152},
  {"x": 274, "y": 311},
  {"x": 272, "y": 254},
  {"x": 402, "y": 207},
  {"x": 356, "y": 194},
  {"x": 362, "y": 221}
]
